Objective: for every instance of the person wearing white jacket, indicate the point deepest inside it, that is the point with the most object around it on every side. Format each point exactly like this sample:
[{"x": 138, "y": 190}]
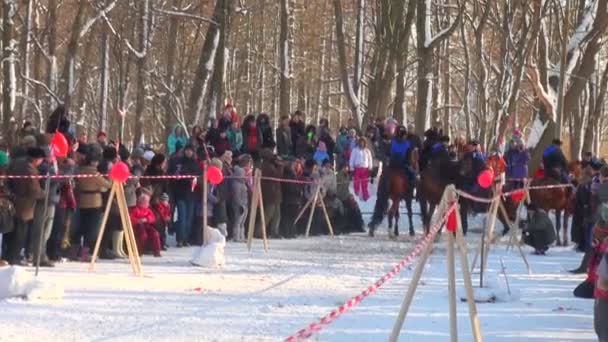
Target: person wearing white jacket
[{"x": 361, "y": 162}]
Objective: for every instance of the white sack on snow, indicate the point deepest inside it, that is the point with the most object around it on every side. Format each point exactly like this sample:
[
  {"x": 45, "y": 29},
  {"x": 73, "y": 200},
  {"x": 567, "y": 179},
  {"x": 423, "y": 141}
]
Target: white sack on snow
[
  {"x": 211, "y": 255},
  {"x": 17, "y": 282}
]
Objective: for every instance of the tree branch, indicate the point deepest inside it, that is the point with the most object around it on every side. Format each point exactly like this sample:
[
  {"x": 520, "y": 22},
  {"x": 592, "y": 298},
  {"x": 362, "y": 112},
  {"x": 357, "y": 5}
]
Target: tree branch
[{"x": 185, "y": 15}]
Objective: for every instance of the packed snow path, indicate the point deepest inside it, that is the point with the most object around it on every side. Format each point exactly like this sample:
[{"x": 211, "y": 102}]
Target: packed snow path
[{"x": 266, "y": 297}]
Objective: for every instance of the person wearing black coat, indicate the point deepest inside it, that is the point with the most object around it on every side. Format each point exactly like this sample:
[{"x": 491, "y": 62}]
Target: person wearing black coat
[
  {"x": 298, "y": 130},
  {"x": 284, "y": 142},
  {"x": 183, "y": 194},
  {"x": 265, "y": 135}
]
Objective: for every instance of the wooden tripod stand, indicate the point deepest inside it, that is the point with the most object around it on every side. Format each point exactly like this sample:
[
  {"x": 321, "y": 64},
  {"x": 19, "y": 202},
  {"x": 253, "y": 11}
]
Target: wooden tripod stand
[
  {"x": 257, "y": 202},
  {"x": 118, "y": 193},
  {"x": 449, "y": 196}
]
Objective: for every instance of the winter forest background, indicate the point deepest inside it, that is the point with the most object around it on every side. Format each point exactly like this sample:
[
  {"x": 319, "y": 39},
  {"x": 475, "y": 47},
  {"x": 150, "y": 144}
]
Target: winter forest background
[{"x": 477, "y": 68}]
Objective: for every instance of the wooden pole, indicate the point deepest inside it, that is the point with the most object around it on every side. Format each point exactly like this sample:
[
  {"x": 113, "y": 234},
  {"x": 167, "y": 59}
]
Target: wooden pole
[
  {"x": 491, "y": 222},
  {"x": 252, "y": 213},
  {"x": 205, "y": 204},
  {"x": 411, "y": 291},
  {"x": 474, "y": 317},
  {"x": 329, "y": 226},
  {"x": 262, "y": 214},
  {"x": 517, "y": 242},
  {"x": 312, "y": 208},
  {"x": 123, "y": 219},
  {"x": 129, "y": 232},
  {"x": 308, "y": 203},
  {"x": 102, "y": 227},
  {"x": 452, "y": 287}
]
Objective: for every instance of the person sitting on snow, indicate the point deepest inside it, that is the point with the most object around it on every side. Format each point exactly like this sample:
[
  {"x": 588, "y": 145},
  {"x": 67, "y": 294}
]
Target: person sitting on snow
[
  {"x": 539, "y": 232},
  {"x": 142, "y": 219}
]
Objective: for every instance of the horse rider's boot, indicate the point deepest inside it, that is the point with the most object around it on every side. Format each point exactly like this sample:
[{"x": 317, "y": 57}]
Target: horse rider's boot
[
  {"x": 584, "y": 263},
  {"x": 118, "y": 238}
]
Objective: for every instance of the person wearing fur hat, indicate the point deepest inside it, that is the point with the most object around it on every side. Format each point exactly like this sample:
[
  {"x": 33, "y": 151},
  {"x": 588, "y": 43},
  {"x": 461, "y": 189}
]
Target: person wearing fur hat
[
  {"x": 89, "y": 192},
  {"x": 26, "y": 193},
  {"x": 143, "y": 220}
]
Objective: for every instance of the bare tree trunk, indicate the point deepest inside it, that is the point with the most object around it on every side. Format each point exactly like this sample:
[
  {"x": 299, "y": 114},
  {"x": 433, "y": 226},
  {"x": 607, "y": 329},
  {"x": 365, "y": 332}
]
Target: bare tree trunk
[
  {"x": 9, "y": 8},
  {"x": 26, "y": 55},
  {"x": 285, "y": 60},
  {"x": 347, "y": 83},
  {"x": 52, "y": 80},
  {"x": 170, "y": 73},
  {"x": 596, "y": 111},
  {"x": 104, "y": 80},
  {"x": 69, "y": 66},
  {"x": 205, "y": 66},
  {"x": 142, "y": 79}
]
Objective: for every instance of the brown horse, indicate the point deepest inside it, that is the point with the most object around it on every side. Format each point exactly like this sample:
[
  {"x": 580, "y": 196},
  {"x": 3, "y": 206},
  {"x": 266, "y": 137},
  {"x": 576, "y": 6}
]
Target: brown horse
[
  {"x": 400, "y": 188},
  {"x": 558, "y": 199}
]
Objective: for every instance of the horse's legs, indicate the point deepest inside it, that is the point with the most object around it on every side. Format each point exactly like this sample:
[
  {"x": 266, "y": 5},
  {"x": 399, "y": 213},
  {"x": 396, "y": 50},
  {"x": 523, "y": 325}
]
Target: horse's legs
[
  {"x": 408, "y": 203},
  {"x": 390, "y": 221},
  {"x": 565, "y": 229},
  {"x": 397, "y": 214},
  {"x": 558, "y": 221},
  {"x": 424, "y": 214},
  {"x": 464, "y": 209}
]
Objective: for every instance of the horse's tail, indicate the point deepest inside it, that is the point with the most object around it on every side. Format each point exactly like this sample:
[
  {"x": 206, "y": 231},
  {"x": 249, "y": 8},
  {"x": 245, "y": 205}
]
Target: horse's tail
[{"x": 381, "y": 201}]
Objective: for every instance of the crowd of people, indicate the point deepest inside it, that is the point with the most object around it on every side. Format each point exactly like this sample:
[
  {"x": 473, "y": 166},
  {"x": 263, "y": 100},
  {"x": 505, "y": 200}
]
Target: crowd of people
[{"x": 68, "y": 220}]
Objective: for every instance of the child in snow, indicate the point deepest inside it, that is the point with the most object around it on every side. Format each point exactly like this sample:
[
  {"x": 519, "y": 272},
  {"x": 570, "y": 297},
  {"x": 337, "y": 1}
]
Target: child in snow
[
  {"x": 163, "y": 211},
  {"x": 321, "y": 153},
  {"x": 361, "y": 162},
  {"x": 142, "y": 219}
]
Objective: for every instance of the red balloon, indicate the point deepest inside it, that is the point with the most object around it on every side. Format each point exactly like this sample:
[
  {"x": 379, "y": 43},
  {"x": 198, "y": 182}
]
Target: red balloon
[
  {"x": 214, "y": 175},
  {"x": 486, "y": 178},
  {"x": 120, "y": 172},
  {"x": 60, "y": 145},
  {"x": 452, "y": 221},
  {"x": 518, "y": 195}
]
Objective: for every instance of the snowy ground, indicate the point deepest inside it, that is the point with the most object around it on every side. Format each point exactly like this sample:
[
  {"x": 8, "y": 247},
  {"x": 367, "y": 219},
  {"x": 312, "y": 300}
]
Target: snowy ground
[{"x": 267, "y": 297}]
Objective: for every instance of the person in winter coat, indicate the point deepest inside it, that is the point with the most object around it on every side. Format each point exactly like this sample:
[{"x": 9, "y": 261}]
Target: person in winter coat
[
  {"x": 197, "y": 138},
  {"x": 142, "y": 219},
  {"x": 298, "y": 131},
  {"x": 239, "y": 203},
  {"x": 90, "y": 205},
  {"x": 26, "y": 193},
  {"x": 292, "y": 200},
  {"x": 517, "y": 159},
  {"x": 157, "y": 168},
  {"x": 284, "y": 142},
  {"x": 235, "y": 137},
  {"x": 162, "y": 213},
  {"x": 539, "y": 232},
  {"x": 224, "y": 194},
  {"x": 342, "y": 145},
  {"x": 555, "y": 163},
  {"x": 324, "y": 135},
  {"x": 178, "y": 136},
  {"x": 600, "y": 319},
  {"x": 43, "y": 224},
  {"x": 361, "y": 162},
  {"x": 64, "y": 212},
  {"x": 271, "y": 191},
  {"x": 250, "y": 136},
  {"x": 184, "y": 195},
  {"x": 265, "y": 131},
  {"x": 222, "y": 144},
  {"x": 321, "y": 154}
]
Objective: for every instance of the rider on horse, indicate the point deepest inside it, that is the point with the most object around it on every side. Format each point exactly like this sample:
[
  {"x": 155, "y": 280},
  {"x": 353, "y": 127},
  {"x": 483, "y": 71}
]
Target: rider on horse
[
  {"x": 555, "y": 162},
  {"x": 400, "y": 153}
]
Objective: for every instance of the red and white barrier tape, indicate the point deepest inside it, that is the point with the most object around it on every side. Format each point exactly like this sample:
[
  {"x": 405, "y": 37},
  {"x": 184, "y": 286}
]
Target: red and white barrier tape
[
  {"x": 316, "y": 326},
  {"x": 507, "y": 194}
]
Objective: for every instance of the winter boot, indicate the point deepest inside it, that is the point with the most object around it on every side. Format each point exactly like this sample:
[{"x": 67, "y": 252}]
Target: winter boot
[
  {"x": 584, "y": 263},
  {"x": 73, "y": 252},
  {"x": 585, "y": 290},
  {"x": 84, "y": 255},
  {"x": 222, "y": 229},
  {"x": 117, "y": 242}
]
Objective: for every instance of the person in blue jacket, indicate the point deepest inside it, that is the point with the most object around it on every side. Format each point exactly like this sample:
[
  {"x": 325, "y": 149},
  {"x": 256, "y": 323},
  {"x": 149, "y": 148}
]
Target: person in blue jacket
[
  {"x": 400, "y": 153},
  {"x": 555, "y": 163}
]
